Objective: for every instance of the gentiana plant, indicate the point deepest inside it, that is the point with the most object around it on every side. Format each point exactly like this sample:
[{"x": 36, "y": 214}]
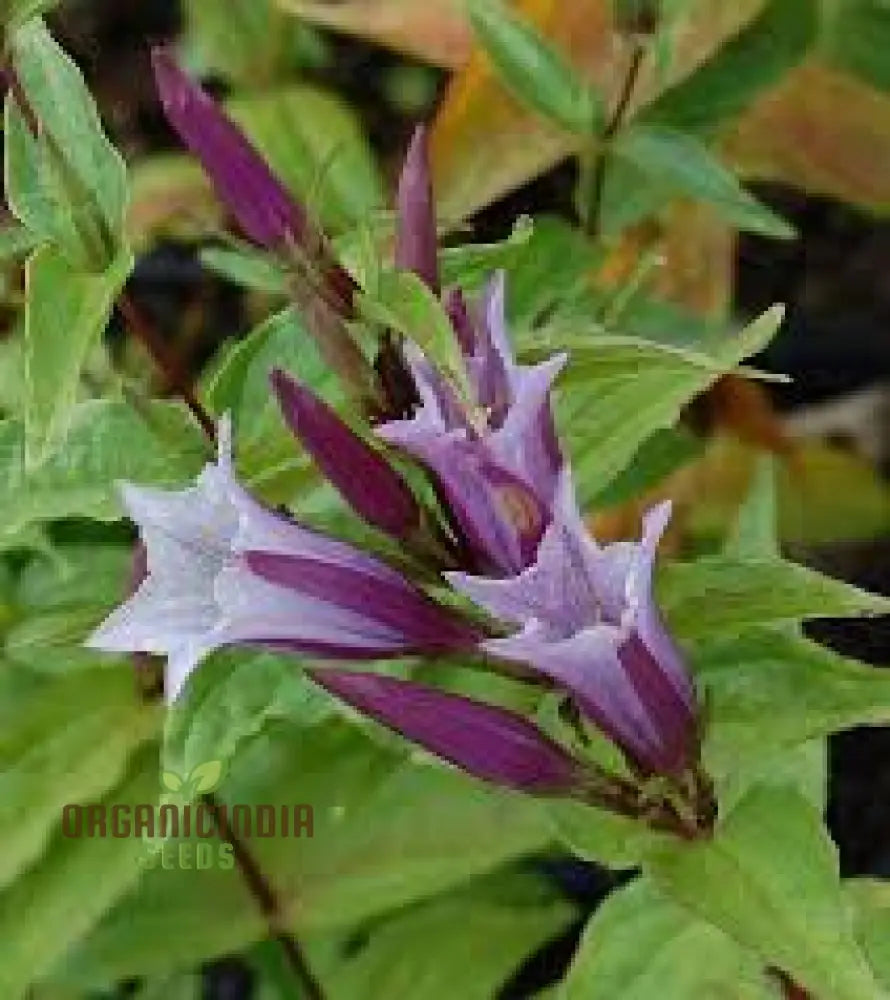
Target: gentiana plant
[{"x": 360, "y": 576}]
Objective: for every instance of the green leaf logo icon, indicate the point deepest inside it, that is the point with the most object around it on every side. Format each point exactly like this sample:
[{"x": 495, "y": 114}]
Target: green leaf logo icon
[{"x": 202, "y": 779}]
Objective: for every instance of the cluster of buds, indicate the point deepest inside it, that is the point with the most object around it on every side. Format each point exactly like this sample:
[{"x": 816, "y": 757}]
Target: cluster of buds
[{"x": 533, "y": 594}]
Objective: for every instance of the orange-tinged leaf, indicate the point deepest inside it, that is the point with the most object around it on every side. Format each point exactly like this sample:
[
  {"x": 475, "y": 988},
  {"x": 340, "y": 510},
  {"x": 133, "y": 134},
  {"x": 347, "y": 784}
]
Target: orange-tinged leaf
[
  {"x": 698, "y": 250},
  {"x": 486, "y": 144},
  {"x": 433, "y": 30},
  {"x": 823, "y": 131}
]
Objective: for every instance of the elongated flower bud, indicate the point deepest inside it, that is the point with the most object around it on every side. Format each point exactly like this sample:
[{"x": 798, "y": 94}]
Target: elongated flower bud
[
  {"x": 375, "y": 491},
  {"x": 488, "y": 742},
  {"x": 416, "y": 241},
  {"x": 264, "y": 208}
]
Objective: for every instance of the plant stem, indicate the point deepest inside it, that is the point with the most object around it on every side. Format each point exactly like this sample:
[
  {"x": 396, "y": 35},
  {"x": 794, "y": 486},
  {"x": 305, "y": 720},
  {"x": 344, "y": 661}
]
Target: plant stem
[
  {"x": 168, "y": 364},
  {"x": 267, "y": 902},
  {"x": 597, "y": 183}
]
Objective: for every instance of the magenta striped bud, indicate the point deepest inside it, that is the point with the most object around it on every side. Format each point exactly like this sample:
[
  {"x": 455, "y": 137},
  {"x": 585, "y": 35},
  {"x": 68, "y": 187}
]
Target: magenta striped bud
[
  {"x": 486, "y": 741},
  {"x": 362, "y": 476}
]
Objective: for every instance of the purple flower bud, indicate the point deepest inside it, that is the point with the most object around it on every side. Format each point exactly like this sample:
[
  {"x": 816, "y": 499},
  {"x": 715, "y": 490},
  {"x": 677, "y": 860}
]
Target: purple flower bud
[
  {"x": 589, "y": 621},
  {"x": 266, "y": 211},
  {"x": 483, "y": 740},
  {"x": 416, "y": 238},
  {"x": 224, "y": 570},
  {"x": 375, "y": 491}
]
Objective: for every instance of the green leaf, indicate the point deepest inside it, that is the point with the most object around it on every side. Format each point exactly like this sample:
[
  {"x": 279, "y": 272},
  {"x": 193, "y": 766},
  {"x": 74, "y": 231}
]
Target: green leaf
[
  {"x": 720, "y": 595},
  {"x": 534, "y": 70},
  {"x": 246, "y": 267},
  {"x": 465, "y": 944},
  {"x": 65, "y": 314},
  {"x": 252, "y": 42},
  {"x": 66, "y": 894},
  {"x": 855, "y": 39},
  {"x": 401, "y": 300},
  {"x": 769, "y": 879},
  {"x": 108, "y": 441},
  {"x": 870, "y": 900},
  {"x": 679, "y": 162},
  {"x": 16, "y": 240},
  {"x": 768, "y": 690},
  {"x": 640, "y": 944},
  {"x": 230, "y": 700},
  {"x": 59, "y": 97},
  {"x": 746, "y": 66},
  {"x": 662, "y": 454},
  {"x": 315, "y": 144},
  {"x": 618, "y": 391},
  {"x": 802, "y": 766},
  {"x": 268, "y": 456},
  {"x": 755, "y": 534},
  {"x": 601, "y": 837},
  {"x": 68, "y": 743},
  {"x": 386, "y": 833},
  {"x": 471, "y": 266},
  {"x": 22, "y": 11}
]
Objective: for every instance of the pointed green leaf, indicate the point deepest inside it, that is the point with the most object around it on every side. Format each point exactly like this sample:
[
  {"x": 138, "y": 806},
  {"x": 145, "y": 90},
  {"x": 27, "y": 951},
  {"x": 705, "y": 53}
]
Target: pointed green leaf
[
  {"x": 640, "y": 944},
  {"x": 743, "y": 68},
  {"x": 108, "y": 441},
  {"x": 69, "y": 744},
  {"x": 721, "y": 595},
  {"x": 681, "y": 163},
  {"x": 534, "y": 70},
  {"x": 65, "y": 314},
  {"x": 58, "y": 96},
  {"x": 69, "y": 890},
  {"x": 769, "y": 879},
  {"x": 768, "y": 690}
]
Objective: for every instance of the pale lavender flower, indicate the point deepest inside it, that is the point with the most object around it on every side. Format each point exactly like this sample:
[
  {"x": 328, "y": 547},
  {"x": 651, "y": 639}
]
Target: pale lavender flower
[
  {"x": 224, "y": 570},
  {"x": 494, "y": 457},
  {"x": 589, "y": 621},
  {"x": 486, "y": 741}
]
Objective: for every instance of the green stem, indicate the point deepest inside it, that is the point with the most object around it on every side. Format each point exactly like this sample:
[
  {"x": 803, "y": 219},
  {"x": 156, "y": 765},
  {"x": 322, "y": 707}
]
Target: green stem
[{"x": 594, "y": 179}]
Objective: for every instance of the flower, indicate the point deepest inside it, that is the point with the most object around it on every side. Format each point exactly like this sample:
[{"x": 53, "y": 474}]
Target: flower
[
  {"x": 486, "y": 741},
  {"x": 589, "y": 621},
  {"x": 495, "y": 456},
  {"x": 375, "y": 491},
  {"x": 224, "y": 570}
]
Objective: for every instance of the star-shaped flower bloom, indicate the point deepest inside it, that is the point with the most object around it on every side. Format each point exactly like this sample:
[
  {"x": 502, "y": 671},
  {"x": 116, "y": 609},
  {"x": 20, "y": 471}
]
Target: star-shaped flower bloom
[
  {"x": 224, "y": 570},
  {"x": 589, "y": 621},
  {"x": 495, "y": 456}
]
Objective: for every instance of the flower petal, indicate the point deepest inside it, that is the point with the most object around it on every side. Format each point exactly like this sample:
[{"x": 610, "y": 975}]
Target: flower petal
[
  {"x": 393, "y": 609},
  {"x": 587, "y": 665}
]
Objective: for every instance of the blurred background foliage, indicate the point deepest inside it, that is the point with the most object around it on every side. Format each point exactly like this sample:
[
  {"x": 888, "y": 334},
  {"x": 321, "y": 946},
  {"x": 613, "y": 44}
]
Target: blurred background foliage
[{"x": 789, "y": 96}]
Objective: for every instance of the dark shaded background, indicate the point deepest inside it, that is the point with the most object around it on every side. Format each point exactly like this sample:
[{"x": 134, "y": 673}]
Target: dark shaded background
[{"x": 835, "y": 342}]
